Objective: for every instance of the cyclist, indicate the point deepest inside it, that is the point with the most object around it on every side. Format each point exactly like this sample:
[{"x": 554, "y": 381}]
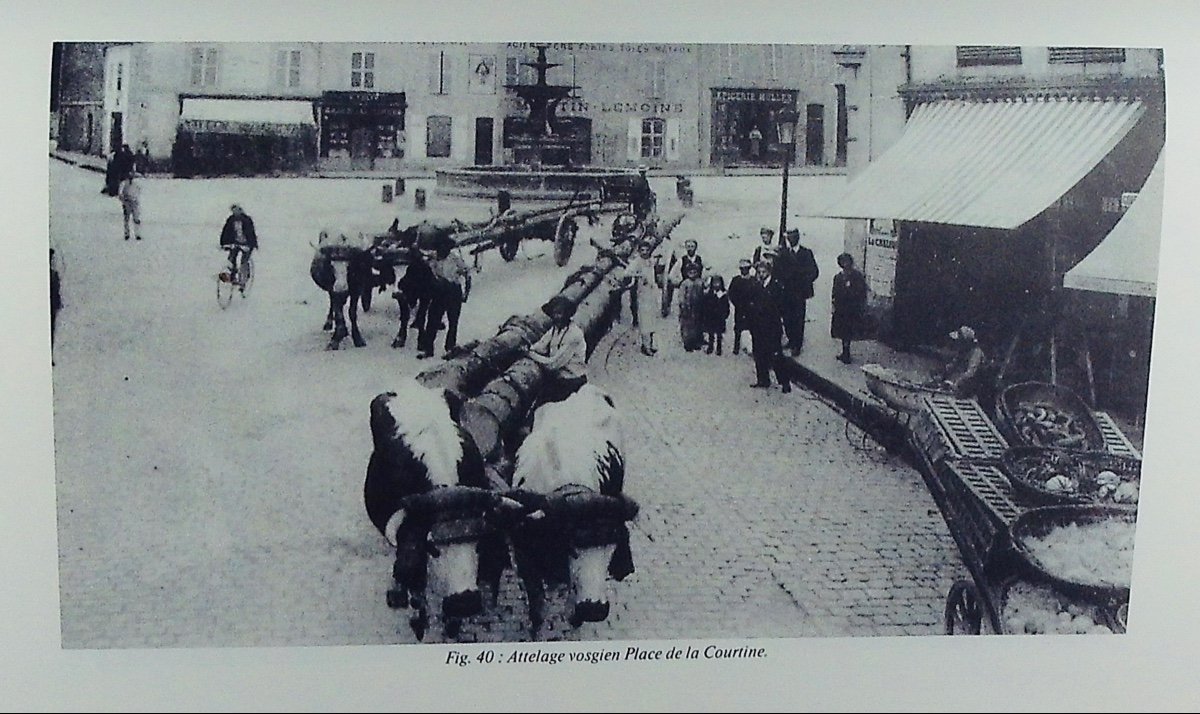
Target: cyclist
[{"x": 238, "y": 236}]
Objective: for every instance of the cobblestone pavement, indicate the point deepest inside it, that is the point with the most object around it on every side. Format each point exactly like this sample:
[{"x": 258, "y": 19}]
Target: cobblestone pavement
[{"x": 764, "y": 514}]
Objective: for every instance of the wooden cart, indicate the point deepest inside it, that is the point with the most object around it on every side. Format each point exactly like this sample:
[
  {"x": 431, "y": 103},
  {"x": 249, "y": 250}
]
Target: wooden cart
[{"x": 958, "y": 449}]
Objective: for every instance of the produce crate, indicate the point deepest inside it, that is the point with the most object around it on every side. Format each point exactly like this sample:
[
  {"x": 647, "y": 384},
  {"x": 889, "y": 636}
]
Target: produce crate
[
  {"x": 1115, "y": 440},
  {"x": 977, "y": 504},
  {"x": 953, "y": 428}
]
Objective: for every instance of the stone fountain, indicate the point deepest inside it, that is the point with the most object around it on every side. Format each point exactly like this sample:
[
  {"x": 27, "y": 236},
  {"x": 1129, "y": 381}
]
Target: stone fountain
[{"x": 550, "y": 154}]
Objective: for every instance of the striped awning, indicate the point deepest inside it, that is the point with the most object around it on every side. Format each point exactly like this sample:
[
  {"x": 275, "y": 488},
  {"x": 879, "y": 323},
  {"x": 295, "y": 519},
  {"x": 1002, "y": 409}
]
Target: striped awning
[
  {"x": 1126, "y": 261},
  {"x": 993, "y": 164},
  {"x": 248, "y": 111}
]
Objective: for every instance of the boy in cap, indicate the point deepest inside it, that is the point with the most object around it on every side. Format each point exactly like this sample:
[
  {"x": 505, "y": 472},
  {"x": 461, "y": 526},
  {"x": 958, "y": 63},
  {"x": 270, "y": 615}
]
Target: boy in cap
[{"x": 561, "y": 352}]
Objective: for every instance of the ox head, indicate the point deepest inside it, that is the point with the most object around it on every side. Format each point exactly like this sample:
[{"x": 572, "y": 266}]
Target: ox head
[
  {"x": 444, "y": 525},
  {"x": 436, "y": 522},
  {"x": 339, "y": 246},
  {"x": 570, "y": 474}
]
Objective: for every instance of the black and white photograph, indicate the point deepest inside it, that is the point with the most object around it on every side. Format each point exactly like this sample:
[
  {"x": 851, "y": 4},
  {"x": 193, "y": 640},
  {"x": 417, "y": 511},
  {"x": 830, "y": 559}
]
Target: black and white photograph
[{"x": 508, "y": 352}]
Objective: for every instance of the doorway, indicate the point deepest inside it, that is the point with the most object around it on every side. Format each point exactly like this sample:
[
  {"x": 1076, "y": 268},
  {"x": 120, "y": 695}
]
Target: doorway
[
  {"x": 116, "y": 135},
  {"x": 483, "y": 141},
  {"x": 814, "y": 135},
  {"x": 362, "y": 149}
]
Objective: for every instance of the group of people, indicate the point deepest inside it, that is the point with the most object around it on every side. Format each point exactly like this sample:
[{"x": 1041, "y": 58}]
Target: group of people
[{"x": 768, "y": 298}]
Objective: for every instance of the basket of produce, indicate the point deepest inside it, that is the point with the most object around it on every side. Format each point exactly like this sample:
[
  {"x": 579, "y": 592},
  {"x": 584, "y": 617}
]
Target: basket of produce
[
  {"x": 1042, "y": 414},
  {"x": 895, "y": 390},
  {"x": 1061, "y": 476},
  {"x": 1082, "y": 551}
]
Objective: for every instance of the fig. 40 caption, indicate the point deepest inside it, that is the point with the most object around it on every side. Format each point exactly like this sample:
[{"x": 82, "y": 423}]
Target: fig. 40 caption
[{"x": 629, "y": 654}]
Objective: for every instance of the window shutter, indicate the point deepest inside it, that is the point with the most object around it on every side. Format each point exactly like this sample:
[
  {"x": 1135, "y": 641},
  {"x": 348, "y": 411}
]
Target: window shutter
[
  {"x": 672, "y": 139},
  {"x": 634, "y": 146},
  {"x": 447, "y": 71},
  {"x": 434, "y": 67},
  {"x": 416, "y": 135}
]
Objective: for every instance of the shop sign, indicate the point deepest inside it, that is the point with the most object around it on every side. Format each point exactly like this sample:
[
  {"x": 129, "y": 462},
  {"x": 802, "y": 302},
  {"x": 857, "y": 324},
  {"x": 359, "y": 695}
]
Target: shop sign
[
  {"x": 880, "y": 265},
  {"x": 773, "y": 96},
  {"x": 646, "y": 108},
  {"x": 213, "y": 126},
  {"x": 634, "y": 47}
]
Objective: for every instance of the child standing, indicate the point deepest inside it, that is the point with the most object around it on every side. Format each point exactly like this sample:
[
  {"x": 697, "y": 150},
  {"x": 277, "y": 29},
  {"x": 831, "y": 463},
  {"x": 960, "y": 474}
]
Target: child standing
[
  {"x": 741, "y": 289},
  {"x": 714, "y": 313},
  {"x": 691, "y": 293}
]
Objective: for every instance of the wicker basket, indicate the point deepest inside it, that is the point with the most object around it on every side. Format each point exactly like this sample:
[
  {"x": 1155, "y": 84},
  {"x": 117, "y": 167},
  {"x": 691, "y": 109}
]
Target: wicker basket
[
  {"x": 1029, "y": 467},
  {"x": 1015, "y": 406},
  {"x": 896, "y": 392},
  {"x": 1039, "y": 522}
]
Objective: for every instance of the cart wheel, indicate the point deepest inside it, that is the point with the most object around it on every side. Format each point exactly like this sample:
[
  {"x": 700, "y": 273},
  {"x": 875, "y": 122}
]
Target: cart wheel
[
  {"x": 564, "y": 240},
  {"x": 963, "y": 614},
  {"x": 508, "y": 249}
]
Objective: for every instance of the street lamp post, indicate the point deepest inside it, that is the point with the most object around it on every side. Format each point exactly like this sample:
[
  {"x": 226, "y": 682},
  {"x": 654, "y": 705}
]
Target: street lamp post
[{"x": 785, "y": 123}]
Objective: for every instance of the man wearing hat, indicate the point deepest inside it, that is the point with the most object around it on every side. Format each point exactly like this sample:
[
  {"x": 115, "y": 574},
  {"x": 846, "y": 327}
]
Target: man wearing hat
[
  {"x": 741, "y": 291},
  {"x": 963, "y": 374},
  {"x": 561, "y": 352},
  {"x": 797, "y": 269},
  {"x": 766, "y": 330}
]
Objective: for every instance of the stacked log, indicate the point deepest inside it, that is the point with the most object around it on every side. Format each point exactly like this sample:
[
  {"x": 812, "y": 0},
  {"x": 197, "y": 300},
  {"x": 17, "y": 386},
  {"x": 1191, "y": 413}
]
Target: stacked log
[{"x": 497, "y": 409}]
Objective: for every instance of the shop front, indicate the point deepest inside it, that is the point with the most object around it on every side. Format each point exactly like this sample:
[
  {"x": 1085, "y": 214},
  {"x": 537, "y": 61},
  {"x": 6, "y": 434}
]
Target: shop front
[
  {"x": 744, "y": 127},
  {"x": 243, "y": 137},
  {"x": 362, "y": 131},
  {"x": 992, "y": 201}
]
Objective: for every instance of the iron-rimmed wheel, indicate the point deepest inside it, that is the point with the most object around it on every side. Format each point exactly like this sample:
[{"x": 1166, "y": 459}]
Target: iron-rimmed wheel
[
  {"x": 964, "y": 615},
  {"x": 564, "y": 239}
]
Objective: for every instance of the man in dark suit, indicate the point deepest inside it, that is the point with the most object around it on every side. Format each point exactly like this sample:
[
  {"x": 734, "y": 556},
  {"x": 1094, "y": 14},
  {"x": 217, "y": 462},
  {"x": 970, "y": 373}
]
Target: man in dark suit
[
  {"x": 766, "y": 329},
  {"x": 797, "y": 269}
]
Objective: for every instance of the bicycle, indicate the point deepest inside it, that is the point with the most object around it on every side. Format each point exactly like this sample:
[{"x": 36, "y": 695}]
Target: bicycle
[{"x": 228, "y": 283}]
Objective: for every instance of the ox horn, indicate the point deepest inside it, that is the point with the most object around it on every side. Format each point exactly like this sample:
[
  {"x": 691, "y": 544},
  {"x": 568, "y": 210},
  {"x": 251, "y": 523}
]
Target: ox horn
[{"x": 393, "y": 525}]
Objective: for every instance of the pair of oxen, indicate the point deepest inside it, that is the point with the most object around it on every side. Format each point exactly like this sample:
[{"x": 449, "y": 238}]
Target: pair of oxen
[
  {"x": 565, "y": 514},
  {"x": 349, "y": 266}
]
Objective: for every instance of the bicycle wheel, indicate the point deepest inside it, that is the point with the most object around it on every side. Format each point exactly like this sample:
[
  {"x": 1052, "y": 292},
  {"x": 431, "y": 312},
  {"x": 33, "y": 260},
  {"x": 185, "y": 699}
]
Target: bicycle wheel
[
  {"x": 247, "y": 273},
  {"x": 225, "y": 288}
]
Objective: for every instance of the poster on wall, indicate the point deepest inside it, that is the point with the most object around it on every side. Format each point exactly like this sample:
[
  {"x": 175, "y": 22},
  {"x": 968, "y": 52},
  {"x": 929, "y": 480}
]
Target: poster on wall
[{"x": 483, "y": 74}]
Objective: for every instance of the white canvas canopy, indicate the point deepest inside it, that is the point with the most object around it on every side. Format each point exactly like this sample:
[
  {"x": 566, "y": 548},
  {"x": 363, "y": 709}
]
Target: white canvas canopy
[{"x": 1126, "y": 261}]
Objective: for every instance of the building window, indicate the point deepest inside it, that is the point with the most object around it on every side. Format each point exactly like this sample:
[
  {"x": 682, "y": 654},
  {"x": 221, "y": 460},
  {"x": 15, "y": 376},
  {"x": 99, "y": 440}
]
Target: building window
[
  {"x": 658, "y": 77},
  {"x": 362, "y": 70},
  {"x": 729, "y": 58},
  {"x": 120, "y": 75},
  {"x": 437, "y": 137},
  {"x": 439, "y": 73},
  {"x": 204, "y": 66},
  {"x": 772, "y": 57},
  {"x": 977, "y": 55},
  {"x": 653, "y": 131},
  {"x": 287, "y": 68},
  {"x": 1084, "y": 55}
]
